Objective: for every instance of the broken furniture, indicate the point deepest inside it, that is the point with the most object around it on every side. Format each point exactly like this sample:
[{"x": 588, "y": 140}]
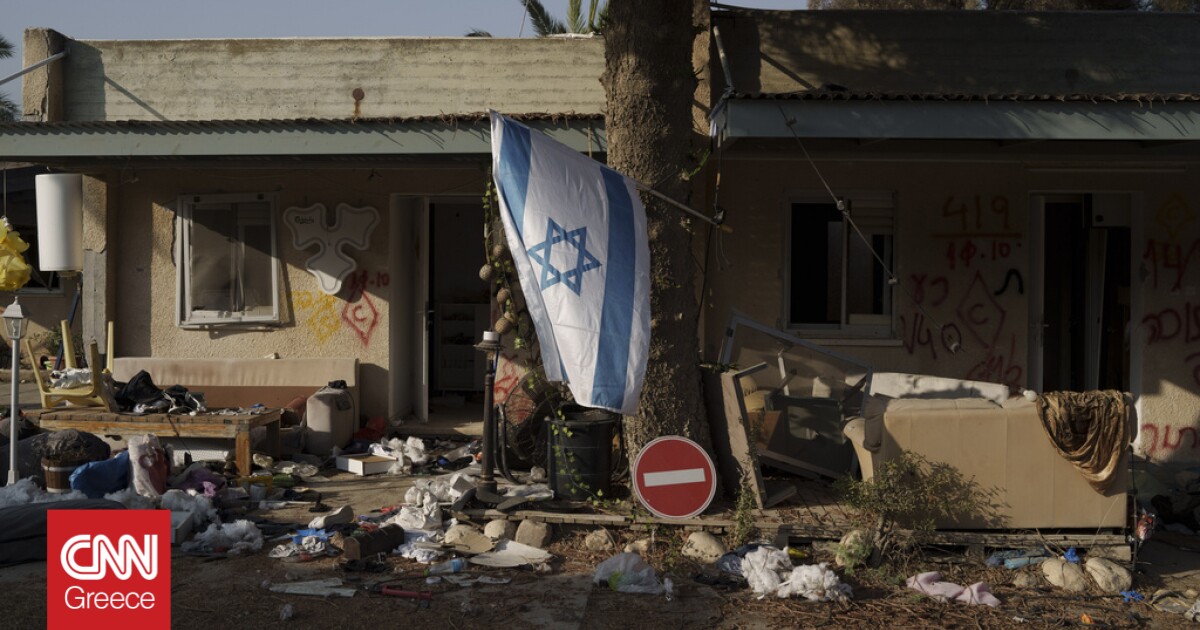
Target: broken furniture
[
  {"x": 1002, "y": 448},
  {"x": 201, "y": 425},
  {"x": 798, "y": 398},
  {"x": 96, "y": 394}
]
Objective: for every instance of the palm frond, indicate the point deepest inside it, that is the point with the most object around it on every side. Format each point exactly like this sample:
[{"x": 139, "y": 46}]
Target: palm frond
[
  {"x": 8, "y": 109},
  {"x": 6, "y": 49},
  {"x": 575, "y": 15},
  {"x": 598, "y": 18},
  {"x": 543, "y": 23},
  {"x": 478, "y": 32}
]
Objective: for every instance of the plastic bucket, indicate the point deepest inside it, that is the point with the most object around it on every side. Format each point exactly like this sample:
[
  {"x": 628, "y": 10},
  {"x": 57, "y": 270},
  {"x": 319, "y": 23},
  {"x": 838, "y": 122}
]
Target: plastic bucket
[
  {"x": 58, "y": 475},
  {"x": 580, "y": 453}
]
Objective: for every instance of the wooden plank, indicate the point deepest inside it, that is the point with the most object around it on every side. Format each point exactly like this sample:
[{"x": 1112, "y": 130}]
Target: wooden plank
[{"x": 731, "y": 442}]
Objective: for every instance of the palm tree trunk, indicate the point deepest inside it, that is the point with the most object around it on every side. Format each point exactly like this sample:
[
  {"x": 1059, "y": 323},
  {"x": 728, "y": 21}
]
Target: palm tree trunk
[{"x": 650, "y": 82}]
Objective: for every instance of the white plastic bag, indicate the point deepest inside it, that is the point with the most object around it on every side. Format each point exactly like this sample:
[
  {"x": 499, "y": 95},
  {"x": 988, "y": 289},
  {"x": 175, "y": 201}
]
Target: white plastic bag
[{"x": 628, "y": 573}]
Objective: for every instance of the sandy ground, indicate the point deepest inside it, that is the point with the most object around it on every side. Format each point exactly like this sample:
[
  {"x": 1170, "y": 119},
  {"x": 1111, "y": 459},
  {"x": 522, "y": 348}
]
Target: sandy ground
[{"x": 230, "y": 592}]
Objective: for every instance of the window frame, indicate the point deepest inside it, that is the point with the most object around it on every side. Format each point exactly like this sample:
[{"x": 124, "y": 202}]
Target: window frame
[
  {"x": 877, "y": 200},
  {"x": 184, "y": 316}
]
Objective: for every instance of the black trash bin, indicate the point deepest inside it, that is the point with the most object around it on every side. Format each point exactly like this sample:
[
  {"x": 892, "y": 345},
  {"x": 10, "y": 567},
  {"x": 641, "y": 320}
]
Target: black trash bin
[{"x": 580, "y": 452}]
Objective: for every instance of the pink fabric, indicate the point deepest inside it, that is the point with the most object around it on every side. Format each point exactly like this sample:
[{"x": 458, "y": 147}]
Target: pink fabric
[{"x": 932, "y": 585}]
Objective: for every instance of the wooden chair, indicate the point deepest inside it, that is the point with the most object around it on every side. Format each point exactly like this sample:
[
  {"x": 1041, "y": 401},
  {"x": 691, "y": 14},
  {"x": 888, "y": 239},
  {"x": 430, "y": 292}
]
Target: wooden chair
[{"x": 97, "y": 394}]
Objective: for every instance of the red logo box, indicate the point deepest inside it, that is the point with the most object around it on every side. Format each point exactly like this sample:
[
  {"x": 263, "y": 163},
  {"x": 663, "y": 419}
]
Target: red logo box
[{"x": 108, "y": 569}]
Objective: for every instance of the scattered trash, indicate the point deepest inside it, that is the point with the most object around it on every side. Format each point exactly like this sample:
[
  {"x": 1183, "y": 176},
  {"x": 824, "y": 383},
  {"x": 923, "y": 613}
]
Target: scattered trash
[
  {"x": 1132, "y": 596},
  {"x": 931, "y": 584},
  {"x": 199, "y": 507},
  {"x": 344, "y": 514},
  {"x": 96, "y": 479},
  {"x": 422, "y": 511},
  {"x": 764, "y": 569},
  {"x": 150, "y": 467},
  {"x": 130, "y": 499},
  {"x": 816, "y": 583},
  {"x": 324, "y": 588},
  {"x": 287, "y": 612},
  {"x": 509, "y": 553},
  {"x": 412, "y": 551},
  {"x": 364, "y": 544},
  {"x": 628, "y": 573},
  {"x": 1017, "y": 558},
  {"x": 25, "y": 491},
  {"x": 1071, "y": 556},
  {"x": 450, "y": 566},
  {"x": 233, "y": 538}
]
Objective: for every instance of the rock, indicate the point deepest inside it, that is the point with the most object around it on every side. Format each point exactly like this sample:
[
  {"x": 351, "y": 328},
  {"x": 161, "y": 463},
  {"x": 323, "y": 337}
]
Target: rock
[
  {"x": 599, "y": 540},
  {"x": 457, "y": 532},
  {"x": 1110, "y": 576},
  {"x": 703, "y": 547},
  {"x": 1025, "y": 580},
  {"x": 500, "y": 528},
  {"x": 855, "y": 548},
  {"x": 465, "y": 536},
  {"x": 534, "y": 534},
  {"x": 1065, "y": 575},
  {"x": 639, "y": 547}
]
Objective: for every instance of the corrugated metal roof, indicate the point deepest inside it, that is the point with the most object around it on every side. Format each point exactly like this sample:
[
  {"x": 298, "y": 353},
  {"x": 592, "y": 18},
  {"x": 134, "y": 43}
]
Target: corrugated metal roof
[
  {"x": 210, "y": 126},
  {"x": 841, "y": 94}
]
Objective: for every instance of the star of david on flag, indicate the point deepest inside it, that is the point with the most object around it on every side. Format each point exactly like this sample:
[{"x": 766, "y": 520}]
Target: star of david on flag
[
  {"x": 583, "y": 260},
  {"x": 577, "y": 233}
]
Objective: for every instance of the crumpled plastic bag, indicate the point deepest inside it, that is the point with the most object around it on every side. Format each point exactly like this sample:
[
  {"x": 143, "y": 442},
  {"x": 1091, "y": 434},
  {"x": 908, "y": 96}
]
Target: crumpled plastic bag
[
  {"x": 410, "y": 549},
  {"x": 148, "y": 462},
  {"x": 816, "y": 583},
  {"x": 407, "y": 453},
  {"x": 628, "y": 573},
  {"x": 445, "y": 488},
  {"x": 765, "y": 569},
  {"x": 423, "y": 511},
  {"x": 233, "y": 538},
  {"x": 198, "y": 506}
]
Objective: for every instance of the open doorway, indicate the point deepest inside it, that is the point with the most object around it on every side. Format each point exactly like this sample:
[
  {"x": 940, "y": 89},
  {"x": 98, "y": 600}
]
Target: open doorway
[
  {"x": 441, "y": 308},
  {"x": 1082, "y": 312}
]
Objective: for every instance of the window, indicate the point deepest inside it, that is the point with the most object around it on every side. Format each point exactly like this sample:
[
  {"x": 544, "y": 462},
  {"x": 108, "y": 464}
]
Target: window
[
  {"x": 833, "y": 282},
  {"x": 229, "y": 270}
]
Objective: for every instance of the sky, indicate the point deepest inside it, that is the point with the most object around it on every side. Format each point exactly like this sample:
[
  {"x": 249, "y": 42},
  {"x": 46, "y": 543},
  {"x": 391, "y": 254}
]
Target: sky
[{"x": 179, "y": 19}]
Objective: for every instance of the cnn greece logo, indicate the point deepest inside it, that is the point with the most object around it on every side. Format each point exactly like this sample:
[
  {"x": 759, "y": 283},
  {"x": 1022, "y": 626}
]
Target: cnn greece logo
[
  {"x": 113, "y": 569},
  {"x": 122, "y": 558}
]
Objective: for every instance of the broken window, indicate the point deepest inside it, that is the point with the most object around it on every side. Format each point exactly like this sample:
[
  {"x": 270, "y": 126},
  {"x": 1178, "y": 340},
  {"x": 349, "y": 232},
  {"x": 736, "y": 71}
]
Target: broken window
[
  {"x": 835, "y": 282},
  {"x": 229, "y": 268}
]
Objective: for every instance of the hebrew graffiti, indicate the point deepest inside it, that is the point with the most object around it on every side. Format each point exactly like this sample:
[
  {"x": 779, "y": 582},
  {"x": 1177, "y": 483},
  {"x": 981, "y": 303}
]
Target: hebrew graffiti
[{"x": 981, "y": 313}]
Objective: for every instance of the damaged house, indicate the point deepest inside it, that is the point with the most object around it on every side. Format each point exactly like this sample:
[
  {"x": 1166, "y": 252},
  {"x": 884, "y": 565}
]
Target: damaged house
[{"x": 1030, "y": 180}]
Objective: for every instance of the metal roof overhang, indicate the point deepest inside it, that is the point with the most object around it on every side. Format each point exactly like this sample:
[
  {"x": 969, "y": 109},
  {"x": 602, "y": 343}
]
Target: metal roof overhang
[
  {"x": 960, "y": 120},
  {"x": 38, "y": 142}
]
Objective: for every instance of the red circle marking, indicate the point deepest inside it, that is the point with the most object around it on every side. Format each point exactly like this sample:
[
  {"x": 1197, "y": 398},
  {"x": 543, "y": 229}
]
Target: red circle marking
[{"x": 674, "y": 477}]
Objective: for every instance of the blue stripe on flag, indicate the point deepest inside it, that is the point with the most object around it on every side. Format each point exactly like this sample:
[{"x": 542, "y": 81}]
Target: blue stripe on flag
[
  {"x": 616, "y": 319},
  {"x": 515, "y": 157}
]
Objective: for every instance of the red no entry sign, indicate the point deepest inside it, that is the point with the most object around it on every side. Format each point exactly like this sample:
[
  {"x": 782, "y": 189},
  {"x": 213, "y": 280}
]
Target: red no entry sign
[{"x": 674, "y": 477}]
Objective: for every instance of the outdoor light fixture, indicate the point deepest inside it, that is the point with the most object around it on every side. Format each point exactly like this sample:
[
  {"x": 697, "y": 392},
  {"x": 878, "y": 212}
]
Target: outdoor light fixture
[{"x": 14, "y": 324}]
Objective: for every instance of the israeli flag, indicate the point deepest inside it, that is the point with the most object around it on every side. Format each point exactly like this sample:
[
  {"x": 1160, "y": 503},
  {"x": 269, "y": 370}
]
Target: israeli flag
[{"x": 577, "y": 233}]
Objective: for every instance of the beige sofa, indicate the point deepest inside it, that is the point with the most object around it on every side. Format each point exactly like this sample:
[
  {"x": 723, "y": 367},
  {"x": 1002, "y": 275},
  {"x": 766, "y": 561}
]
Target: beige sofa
[
  {"x": 244, "y": 382},
  {"x": 1003, "y": 448}
]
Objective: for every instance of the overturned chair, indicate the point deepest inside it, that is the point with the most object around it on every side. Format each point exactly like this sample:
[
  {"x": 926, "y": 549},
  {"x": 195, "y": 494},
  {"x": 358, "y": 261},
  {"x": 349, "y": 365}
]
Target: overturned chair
[{"x": 96, "y": 394}]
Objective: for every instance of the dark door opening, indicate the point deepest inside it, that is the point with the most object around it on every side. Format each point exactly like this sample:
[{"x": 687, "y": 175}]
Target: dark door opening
[{"x": 1086, "y": 299}]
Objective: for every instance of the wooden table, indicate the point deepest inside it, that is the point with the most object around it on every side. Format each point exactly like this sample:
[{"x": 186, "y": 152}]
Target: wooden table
[{"x": 209, "y": 425}]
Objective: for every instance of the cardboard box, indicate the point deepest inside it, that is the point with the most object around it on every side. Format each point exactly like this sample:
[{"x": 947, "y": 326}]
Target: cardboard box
[
  {"x": 1006, "y": 452},
  {"x": 364, "y": 464}
]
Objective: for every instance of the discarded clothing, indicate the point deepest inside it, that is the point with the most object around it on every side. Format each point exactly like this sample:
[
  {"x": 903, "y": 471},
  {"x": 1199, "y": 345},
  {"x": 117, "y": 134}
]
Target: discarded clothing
[
  {"x": 1017, "y": 558},
  {"x": 70, "y": 378},
  {"x": 932, "y": 585},
  {"x": 816, "y": 583},
  {"x": 1089, "y": 429},
  {"x": 96, "y": 479}
]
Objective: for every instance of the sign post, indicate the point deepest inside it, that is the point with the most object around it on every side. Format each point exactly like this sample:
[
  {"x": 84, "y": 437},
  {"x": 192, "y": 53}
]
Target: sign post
[{"x": 674, "y": 477}]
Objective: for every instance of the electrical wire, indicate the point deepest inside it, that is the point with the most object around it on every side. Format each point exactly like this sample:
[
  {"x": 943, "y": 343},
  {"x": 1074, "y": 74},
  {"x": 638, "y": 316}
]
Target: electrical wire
[{"x": 956, "y": 346}]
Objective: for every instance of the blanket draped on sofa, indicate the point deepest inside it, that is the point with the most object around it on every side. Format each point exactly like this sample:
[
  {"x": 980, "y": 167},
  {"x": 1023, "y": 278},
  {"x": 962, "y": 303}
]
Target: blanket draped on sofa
[{"x": 1089, "y": 429}]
